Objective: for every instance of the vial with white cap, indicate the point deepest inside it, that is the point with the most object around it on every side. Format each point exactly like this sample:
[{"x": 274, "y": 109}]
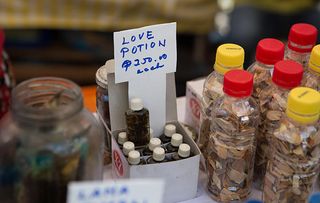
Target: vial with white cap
[
  {"x": 183, "y": 152},
  {"x": 148, "y": 150},
  {"x": 127, "y": 147},
  {"x": 134, "y": 158},
  {"x": 122, "y": 138},
  {"x": 169, "y": 130},
  {"x": 176, "y": 140},
  {"x": 137, "y": 119},
  {"x": 158, "y": 156}
]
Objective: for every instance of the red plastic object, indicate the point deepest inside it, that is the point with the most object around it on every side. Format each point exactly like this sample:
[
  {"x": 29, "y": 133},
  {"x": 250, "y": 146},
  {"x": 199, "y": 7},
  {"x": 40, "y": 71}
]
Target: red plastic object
[
  {"x": 238, "y": 83},
  {"x": 269, "y": 51},
  {"x": 287, "y": 74},
  {"x": 302, "y": 37}
]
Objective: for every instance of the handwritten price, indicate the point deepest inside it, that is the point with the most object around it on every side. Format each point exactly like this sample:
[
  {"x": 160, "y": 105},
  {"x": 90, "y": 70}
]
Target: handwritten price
[{"x": 141, "y": 62}]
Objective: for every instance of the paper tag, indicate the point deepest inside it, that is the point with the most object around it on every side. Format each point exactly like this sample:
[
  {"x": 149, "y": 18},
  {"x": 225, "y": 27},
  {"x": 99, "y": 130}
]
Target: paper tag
[
  {"x": 122, "y": 191},
  {"x": 143, "y": 57}
]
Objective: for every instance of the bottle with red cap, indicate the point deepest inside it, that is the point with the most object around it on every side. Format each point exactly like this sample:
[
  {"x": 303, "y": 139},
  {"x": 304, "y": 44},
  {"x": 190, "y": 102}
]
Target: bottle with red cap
[
  {"x": 287, "y": 75},
  {"x": 232, "y": 142},
  {"x": 312, "y": 74},
  {"x": 302, "y": 37},
  {"x": 268, "y": 52}
]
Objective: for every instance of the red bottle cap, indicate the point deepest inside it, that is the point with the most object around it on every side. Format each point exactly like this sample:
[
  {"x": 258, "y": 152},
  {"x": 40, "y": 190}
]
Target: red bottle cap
[
  {"x": 269, "y": 51},
  {"x": 302, "y": 34},
  {"x": 238, "y": 83},
  {"x": 287, "y": 74}
]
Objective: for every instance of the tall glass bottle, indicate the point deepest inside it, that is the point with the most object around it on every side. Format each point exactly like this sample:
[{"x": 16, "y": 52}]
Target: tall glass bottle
[
  {"x": 228, "y": 57},
  {"x": 287, "y": 75},
  {"x": 268, "y": 52},
  {"x": 294, "y": 166},
  {"x": 302, "y": 37},
  {"x": 312, "y": 75},
  {"x": 232, "y": 143}
]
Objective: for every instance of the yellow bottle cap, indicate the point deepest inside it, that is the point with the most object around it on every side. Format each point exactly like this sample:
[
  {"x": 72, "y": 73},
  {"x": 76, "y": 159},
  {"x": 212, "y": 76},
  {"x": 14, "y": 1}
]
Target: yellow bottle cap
[
  {"x": 229, "y": 57},
  {"x": 303, "y": 105},
  {"x": 314, "y": 62}
]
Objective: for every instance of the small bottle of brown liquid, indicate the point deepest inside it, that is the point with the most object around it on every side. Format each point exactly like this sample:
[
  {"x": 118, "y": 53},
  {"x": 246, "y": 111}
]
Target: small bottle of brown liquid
[
  {"x": 176, "y": 140},
  {"x": 137, "y": 119},
  {"x": 158, "y": 156},
  {"x": 169, "y": 130},
  {"x": 183, "y": 152},
  {"x": 127, "y": 147},
  {"x": 122, "y": 138},
  {"x": 135, "y": 159},
  {"x": 148, "y": 150}
]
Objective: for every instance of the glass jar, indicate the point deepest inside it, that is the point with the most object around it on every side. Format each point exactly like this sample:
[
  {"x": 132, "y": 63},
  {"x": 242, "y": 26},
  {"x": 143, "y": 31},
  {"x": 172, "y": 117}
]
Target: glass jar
[
  {"x": 287, "y": 74},
  {"x": 47, "y": 140},
  {"x": 232, "y": 143},
  {"x": 228, "y": 57},
  {"x": 312, "y": 75},
  {"x": 294, "y": 164},
  {"x": 269, "y": 51},
  {"x": 302, "y": 37}
]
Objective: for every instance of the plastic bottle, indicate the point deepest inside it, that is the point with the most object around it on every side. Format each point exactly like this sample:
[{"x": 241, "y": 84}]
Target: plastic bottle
[
  {"x": 312, "y": 74},
  {"x": 232, "y": 142},
  {"x": 148, "y": 150},
  {"x": 169, "y": 130},
  {"x": 135, "y": 159},
  {"x": 294, "y": 166},
  {"x": 273, "y": 100},
  {"x": 176, "y": 140},
  {"x": 128, "y": 147},
  {"x": 158, "y": 156},
  {"x": 183, "y": 152},
  {"x": 302, "y": 37},
  {"x": 228, "y": 57}
]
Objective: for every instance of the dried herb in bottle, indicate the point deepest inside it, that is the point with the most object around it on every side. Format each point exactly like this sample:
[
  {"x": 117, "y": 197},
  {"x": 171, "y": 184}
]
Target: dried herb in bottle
[
  {"x": 183, "y": 152},
  {"x": 169, "y": 130},
  {"x": 135, "y": 159},
  {"x": 158, "y": 156},
  {"x": 148, "y": 150},
  {"x": 173, "y": 146},
  {"x": 137, "y": 119},
  {"x": 312, "y": 75}
]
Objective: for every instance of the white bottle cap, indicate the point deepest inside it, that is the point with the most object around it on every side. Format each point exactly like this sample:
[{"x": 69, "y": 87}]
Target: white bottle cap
[
  {"x": 122, "y": 137},
  {"x": 136, "y": 104},
  {"x": 169, "y": 130},
  {"x": 158, "y": 154},
  {"x": 154, "y": 142},
  {"x": 176, "y": 139},
  {"x": 127, "y": 147},
  {"x": 134, "y": 157},
  {"x": 184, "y": 150},
  {"x": 151, "y": 132}
]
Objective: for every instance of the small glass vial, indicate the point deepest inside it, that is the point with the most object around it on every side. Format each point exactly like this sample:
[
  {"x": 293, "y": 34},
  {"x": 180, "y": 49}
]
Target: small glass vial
[
  {"x": 148, "y": 150},
  {"x": 169, "y": 130},
  {"x": 312, "y": 75},
  {"x": 127, "y": 147},
  {"x": 268, "y": 52},
  {"x": 135, "y": 159},
  {"x": 302, "y": 37},
  {"x": 158, "y": 156},
  {"x": 232, "y": 143},
  {"x": 273, "y": 101},
  {"x": 176, "y": 140},
  {"x": 122, "y": 138},
  {"x": 137, "y": 119},
  {"x": 294, "y": 166},
  {"x": 228, "y": 57},
  {"x": 183, "y": 152}
]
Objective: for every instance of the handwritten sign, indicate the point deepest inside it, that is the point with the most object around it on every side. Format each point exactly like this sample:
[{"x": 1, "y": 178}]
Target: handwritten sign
[
  {"x": 143, "y": 57},
  {"x": 122, "y": 191}
]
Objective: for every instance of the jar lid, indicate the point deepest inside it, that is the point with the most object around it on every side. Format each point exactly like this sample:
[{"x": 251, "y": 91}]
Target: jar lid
[
  {"x": 184, "y": 150},
  {"x": 176, "y": 139},
  {"x": 302, "y": 34},
  {"x": 303, "y": 105},
  {"x": 136, "y": 104},
  {"x": 229, "y": 56},
  {"x": 269, "y": 51},
  {"x": 128, "y": 147},
  {"x": 158, "y": 154},
  {"x": 134, "y": 157},
  {"x": 122, "y": 138},
  {"x": 238, "y": 83},
  {"x": 169, "y": 130},
  {"x": 154, "y": 142},
  {"x": 287, "y": 74},
  {"x": 314, "y": 62},
  {"x": 101, "y": 77}
]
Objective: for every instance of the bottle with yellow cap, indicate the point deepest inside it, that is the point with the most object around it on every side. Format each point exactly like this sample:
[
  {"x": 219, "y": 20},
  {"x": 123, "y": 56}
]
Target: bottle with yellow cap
[
  {"x": 312, "y": 75},
  {"x": 294, "y": 164},
  {"x": 228, "y": 57}
]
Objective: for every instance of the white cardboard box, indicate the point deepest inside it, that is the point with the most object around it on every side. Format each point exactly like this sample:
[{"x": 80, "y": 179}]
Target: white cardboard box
[{"x": 181, "y": 177}]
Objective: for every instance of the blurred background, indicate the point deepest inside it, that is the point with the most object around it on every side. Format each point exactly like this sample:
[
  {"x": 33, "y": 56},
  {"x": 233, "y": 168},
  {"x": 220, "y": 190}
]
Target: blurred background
[{"x": 73, "y": 38}]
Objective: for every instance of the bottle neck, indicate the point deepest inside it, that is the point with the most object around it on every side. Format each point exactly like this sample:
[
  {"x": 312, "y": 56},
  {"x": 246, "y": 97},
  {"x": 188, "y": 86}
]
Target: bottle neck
[
  {"x": 310, "y": 70},
  {"x": 299, "y": 48},
  {"x": 265, "y": 66},
  {"x": 231, "y": 99}
]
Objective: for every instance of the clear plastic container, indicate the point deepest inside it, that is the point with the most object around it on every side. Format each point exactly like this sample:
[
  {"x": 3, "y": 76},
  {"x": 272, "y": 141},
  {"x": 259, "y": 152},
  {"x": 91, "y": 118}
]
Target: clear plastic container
[
  {"x": 232, "y": 142},
  {"x": 228, "y": 57},
  {"x": 47, "y": 140},
  {"x": 312, "y": 75},
  {"x": 273, "y": 101},
  {"x": 302, "y": 37},
  {"x": 294, "y": 164}
]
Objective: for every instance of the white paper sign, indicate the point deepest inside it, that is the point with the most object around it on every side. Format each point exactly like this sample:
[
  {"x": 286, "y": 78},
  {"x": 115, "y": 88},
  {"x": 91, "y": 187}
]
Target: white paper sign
[
  {"x": 121, "y": 191},
  {"x": 143, "y": 57}
]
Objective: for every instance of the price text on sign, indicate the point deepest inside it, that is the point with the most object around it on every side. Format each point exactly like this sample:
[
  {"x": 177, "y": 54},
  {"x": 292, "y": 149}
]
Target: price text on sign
[{"x": 145, "y": 51}]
